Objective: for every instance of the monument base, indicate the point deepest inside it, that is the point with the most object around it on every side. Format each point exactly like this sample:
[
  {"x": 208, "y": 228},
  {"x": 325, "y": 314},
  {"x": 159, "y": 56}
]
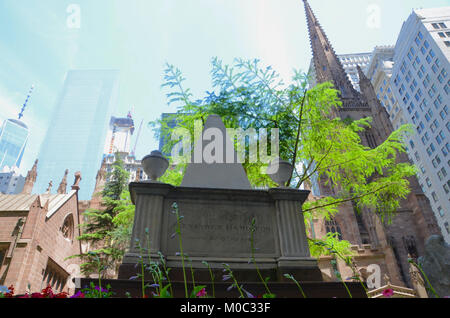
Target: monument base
[
  {"x": 124, "y": 288},
  {"x": 303, "y": 269}
]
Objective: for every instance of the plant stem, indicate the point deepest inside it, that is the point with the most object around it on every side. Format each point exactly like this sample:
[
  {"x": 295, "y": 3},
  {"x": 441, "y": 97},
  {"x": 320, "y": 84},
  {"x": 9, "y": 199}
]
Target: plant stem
[
  {"x": 424, "y": 276},
  {"x": 212, "y": 280},
  {"x": 252, "y": 246},
  {"x": 235, "y": 283},
  {"x": 141, "y": 260},
  {"x": 181, "y": 249},
  {"x": 297, "y": 283},
  {"x": 166, "y": 272}
]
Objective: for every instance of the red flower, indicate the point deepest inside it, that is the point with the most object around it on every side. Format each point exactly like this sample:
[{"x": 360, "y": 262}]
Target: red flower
[
  {"x": 388, "y": 293},
  {"x": 47, "y": 292},
  {"x": 61, "y": 295},
  {"x": 11, "y": 292},
  {"x": 37, "y": 295},
  {"x": 201, "y": 293}
]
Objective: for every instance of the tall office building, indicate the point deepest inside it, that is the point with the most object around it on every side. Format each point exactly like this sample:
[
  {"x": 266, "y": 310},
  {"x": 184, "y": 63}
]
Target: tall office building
[
  {"x": 421, "y": 84},
  {"x": 118, "y": 138},
  {"x": 11, "y": 182},
  {"x": 75, "y": 139},
  {"x": 13, "y": 139},
  {"x": 379, "y": 71}
]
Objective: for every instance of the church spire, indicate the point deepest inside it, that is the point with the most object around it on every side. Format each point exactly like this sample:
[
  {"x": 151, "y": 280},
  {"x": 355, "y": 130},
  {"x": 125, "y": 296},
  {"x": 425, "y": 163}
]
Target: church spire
[
  {"x": 63, "y": 185},
  {"x": 30, "y": 179},
  {"x": 327, "y": 65}
]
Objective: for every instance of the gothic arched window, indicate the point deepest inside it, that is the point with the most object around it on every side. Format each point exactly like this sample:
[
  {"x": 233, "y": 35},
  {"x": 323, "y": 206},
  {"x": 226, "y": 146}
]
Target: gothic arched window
[
  {"x": 67, "y": 227},
  {"x": 371, "y": 140},
  {"x": 332, "y": 226},
  {"x": 410, "y": 246}
]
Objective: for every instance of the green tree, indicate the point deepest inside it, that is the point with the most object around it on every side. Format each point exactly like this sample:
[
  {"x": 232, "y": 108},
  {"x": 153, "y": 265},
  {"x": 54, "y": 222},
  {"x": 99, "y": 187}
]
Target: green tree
[
  {"x": 317, "y": 143},
  {"x": 108, "y": 230}
]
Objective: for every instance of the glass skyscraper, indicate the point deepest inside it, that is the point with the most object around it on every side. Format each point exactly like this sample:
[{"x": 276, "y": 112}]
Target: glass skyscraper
[
  {"x": 76, "y": 137},
  {"x": 13, "y": 139}
]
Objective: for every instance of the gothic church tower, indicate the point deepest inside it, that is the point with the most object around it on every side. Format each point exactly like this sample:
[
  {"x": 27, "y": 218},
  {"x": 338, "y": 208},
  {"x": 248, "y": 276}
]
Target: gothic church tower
[{"x": 414, "y": 221}]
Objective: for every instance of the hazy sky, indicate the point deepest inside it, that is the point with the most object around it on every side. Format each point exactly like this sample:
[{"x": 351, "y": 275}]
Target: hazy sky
[{"x": 38, "y": 46}]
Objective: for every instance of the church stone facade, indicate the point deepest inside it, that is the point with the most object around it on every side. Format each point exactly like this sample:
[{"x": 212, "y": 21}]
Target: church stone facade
[{"x": 386, "y": 245}]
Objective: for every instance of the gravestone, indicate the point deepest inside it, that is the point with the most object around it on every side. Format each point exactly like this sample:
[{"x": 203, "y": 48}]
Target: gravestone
[{"x": 218, "y": 205}]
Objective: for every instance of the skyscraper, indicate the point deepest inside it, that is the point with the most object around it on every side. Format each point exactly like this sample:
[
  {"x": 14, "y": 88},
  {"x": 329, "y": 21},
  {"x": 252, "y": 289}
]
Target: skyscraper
[
  {"x": 13, "y": 139},
  {"x": 415, "y": 221},
  {"x": 118, "y": 138},
  {"x": 76, "y": 136},
  {"x": 421, "y": 85}
]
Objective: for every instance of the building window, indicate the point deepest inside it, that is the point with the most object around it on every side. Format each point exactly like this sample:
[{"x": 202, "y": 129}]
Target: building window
[
  {"x": 447, "y": 227},
  {"x": 54, "y": 276},
  {"x": 445, "y": 151},
  {"x": 2, "y": 254},
  {"x": 428, "y": 182},
  {"x": 435, "y": 26},
  {"x": 410, "y": 246},
  {"x": 444, "y": 172},
  {"x": 441, "y": 213},
  {"x": 447, "y": 43},
  {"x": 332, "y": 226},
  {"x": 67, "y": 228},
  {"x": 434, "y": 196},
  {"x": 436, "y": 161},
  {"x": 442, "y": 25},
  {"x": 444, "y": 73},
  {"x": 446, "y": 188}
]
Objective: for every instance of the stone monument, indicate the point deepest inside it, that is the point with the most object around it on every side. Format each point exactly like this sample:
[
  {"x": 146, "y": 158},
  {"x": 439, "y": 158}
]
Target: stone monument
[
  {"x": 218, "y": 205},
  {"x": 220, "y": 211}
]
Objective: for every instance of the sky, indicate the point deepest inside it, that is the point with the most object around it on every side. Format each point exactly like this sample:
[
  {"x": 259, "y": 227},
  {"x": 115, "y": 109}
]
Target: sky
[{"x": 40, "y": 40}]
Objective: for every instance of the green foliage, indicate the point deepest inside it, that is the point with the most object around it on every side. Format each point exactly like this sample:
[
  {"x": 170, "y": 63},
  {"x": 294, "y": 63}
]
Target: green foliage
[
  {"x": 329, "y": 245},
  {"x": 320, "y": 145},
  {"x": 108, "y": 230}
]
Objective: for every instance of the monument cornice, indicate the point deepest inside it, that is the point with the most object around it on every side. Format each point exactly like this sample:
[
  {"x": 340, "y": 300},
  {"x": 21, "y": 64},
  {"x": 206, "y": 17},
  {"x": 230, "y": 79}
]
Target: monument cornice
[{"x": 172, "y": 192}]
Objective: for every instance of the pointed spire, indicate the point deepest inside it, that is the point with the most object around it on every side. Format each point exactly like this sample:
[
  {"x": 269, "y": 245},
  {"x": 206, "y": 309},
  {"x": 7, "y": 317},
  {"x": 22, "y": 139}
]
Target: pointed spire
[
  {"x": 380, "y": 115},
  {"x": 26, "y": 102},
  {"x": 327, "y": 65},
  {"x": 63, "y": 185},
  {"x": 76, "y": 183},
  {"x": 49, "y": 189},
  {"x": 100, "y": 180},
  {"x": 362, "y": 76},
  {"x": 30, "y": 179}
]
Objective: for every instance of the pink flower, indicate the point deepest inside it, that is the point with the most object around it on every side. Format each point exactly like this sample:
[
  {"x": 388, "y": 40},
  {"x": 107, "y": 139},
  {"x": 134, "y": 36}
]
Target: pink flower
[
  {"x": 388, "y": 293},
  {"x": 201, "y": 293}
]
